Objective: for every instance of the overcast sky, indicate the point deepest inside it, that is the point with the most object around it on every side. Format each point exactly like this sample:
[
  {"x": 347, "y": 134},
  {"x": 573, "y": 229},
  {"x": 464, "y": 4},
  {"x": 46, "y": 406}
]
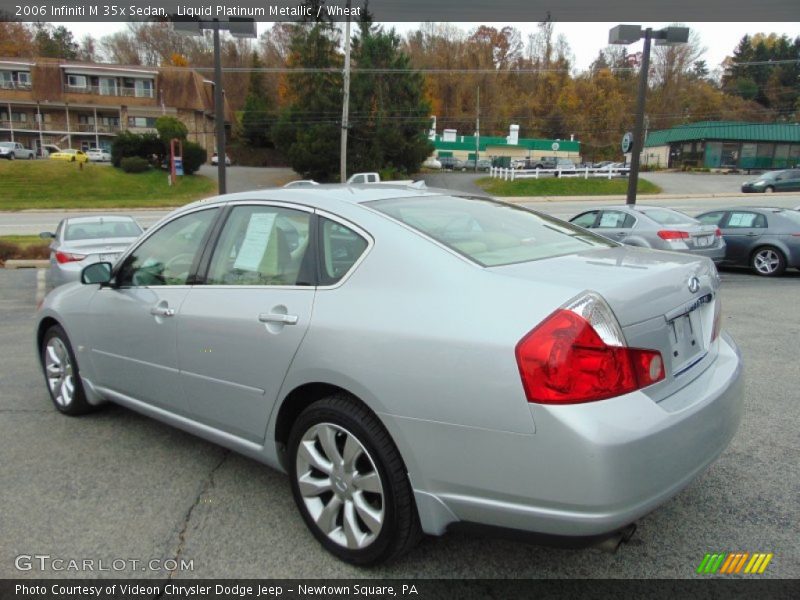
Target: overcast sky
[{"x": 585, "y": 39}]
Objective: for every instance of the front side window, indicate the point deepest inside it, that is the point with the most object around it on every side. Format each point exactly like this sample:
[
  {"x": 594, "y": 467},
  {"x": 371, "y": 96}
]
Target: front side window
[
  {"x": 614, "y": 219},
  {"x": 586, "y": 219},
  {"x": 341, "y": 248},
  {"x": 166, "y": 257},
  {"x": 487, "y": 232},
  {"x": 263, "y": 245},
  {"x": 713, "y": 218}
]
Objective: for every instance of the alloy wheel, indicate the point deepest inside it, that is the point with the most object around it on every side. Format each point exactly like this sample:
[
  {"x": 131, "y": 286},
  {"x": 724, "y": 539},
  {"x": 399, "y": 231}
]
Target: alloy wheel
[
  {"x": 340, "y": 486},
  {"x": 766, "y": 261},
  {"x": 59, "y": 372}
]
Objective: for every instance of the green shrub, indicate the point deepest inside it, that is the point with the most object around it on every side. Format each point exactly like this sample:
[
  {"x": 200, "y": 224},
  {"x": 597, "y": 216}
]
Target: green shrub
[
  {"x": 194, "y": 155},
  {"x": 127, "y": 144},
  {"x": 134, "y": 164}
]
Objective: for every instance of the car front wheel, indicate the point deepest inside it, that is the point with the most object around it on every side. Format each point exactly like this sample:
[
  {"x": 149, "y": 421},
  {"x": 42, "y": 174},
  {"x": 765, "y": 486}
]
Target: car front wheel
[
  {"x": 61, "y": 373},
  {"x": 768, "y": 261},
  {"x": 350, "y": 484},
  {"x": 12, "y": 156}
]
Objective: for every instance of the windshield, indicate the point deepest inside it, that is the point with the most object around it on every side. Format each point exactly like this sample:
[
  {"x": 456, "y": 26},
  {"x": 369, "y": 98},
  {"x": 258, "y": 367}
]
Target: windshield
[
  {"x": 101, "y": 229},
  {"x": 488, "y": 232},
  {"x": 664, "y": 216},
  {"x": 6, "y": 144}
]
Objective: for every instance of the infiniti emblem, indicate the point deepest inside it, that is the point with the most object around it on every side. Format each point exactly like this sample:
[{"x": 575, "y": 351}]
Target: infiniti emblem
[{"x": 694, "y": 285}]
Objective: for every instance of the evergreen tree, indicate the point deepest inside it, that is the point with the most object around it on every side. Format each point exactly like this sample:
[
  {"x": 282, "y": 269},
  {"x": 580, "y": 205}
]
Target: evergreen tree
[
  {"x": 257, "y": 111},
  {"x": 389, "y": 114}
]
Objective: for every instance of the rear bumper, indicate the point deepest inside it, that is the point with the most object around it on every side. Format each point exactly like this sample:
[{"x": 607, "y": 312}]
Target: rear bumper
[{"x": 589, "y": 469}]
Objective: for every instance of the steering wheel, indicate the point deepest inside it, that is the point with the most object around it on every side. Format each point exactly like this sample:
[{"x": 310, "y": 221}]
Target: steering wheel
[{"x": 178, "y": 267}]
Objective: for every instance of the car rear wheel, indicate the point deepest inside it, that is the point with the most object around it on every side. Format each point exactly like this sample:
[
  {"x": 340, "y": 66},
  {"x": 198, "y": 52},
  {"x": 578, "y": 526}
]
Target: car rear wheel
[
  {"x": 61, "y": 373},
  {"x": 350, "y": 484},
  {"x": 769, "y": 189},
  {"x": 768, "y": 261},
  {"x": 30, "y": 156}
]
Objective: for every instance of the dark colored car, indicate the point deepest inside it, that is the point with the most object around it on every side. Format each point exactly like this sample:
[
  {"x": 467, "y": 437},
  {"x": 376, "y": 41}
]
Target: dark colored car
[
  {"x": 765, "y": 239},
  {"x": 774, "y": 181},
  {"x": 451, "y": 163}
]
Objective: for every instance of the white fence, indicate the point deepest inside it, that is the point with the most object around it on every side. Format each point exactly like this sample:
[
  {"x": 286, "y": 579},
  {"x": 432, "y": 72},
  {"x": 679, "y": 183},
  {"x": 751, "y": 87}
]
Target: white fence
[{"x": 585, "y": 172}]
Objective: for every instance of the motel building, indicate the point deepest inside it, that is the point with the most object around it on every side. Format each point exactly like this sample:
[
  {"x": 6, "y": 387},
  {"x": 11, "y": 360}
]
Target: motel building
[
  {"x": 724, "y": 145},
  {"x": 83, "y": 105}
]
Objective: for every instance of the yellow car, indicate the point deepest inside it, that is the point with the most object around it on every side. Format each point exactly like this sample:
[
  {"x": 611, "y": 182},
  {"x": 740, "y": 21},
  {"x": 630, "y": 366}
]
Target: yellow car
[{"x": 70, "y": 155}]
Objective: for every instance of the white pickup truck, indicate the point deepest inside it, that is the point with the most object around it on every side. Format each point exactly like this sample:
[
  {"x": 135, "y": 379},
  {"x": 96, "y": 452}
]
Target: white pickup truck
[
  {"x": 14, "y": 150},
  {"x": 358, "y": 178}
]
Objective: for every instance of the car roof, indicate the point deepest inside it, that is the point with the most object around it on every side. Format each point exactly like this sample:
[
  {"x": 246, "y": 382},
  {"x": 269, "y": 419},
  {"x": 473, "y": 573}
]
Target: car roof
[{"x": 324, "y": 195}]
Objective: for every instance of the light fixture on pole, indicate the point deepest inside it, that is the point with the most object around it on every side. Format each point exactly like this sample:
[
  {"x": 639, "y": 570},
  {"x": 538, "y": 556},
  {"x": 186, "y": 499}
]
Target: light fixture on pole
[
  {"x": 628, "y": 34},
  {"x": 237, "y": 28}
]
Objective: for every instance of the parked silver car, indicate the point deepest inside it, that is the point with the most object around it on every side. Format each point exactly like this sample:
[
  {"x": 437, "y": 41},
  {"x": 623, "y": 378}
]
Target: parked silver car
[
  {"x": 411, "y": 358},
  {"x": 655, "y": 227},
  {"x": 79, "y": 241},
  {"x": 15, "y": 150}
]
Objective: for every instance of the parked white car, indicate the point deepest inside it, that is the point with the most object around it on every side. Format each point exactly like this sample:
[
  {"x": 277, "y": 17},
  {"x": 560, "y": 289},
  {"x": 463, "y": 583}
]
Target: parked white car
[
  {"x": 14, "y": 150},
  {"x": 432, "y": 163},
  {"x": 98, "y": 155}
]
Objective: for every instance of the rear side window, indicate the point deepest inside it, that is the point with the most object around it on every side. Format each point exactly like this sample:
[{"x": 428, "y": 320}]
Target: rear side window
[
  {"x": 341, "y": 248},
  {"x": 488, "y": 232},
  {"x": 746, "y": 220}
]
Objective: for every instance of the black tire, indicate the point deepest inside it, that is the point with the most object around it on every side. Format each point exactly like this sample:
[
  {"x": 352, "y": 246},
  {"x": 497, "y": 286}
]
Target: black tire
[
  {"x": 12, "y": 156},
  {"x": 76, "y": 403},
  {"x": 30, "y": 156},
  {"x": 768, "y": 261},
  {"x": 72, "y": 159},
  {"x": 400, "y": 529},
  {"x": 769, "y": 189}
]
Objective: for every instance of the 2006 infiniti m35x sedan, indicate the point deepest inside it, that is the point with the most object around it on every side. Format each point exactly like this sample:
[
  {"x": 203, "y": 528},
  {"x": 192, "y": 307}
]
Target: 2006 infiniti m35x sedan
[{"x": 411, "y": 358}]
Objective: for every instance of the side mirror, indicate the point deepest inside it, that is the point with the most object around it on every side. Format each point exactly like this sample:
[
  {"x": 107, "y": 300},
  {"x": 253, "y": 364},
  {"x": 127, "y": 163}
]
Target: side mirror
[
  {"x": 47, "y": 235},
  {"x": 97, "y": 273}
]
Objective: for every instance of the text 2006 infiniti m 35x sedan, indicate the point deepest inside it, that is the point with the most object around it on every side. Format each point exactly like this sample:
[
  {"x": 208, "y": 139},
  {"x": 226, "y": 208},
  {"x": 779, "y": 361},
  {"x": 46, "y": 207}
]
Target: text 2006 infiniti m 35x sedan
[{"x": 411, "y": 358}]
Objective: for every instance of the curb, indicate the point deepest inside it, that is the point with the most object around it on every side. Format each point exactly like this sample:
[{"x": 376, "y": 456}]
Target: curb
[{"x": 27, "y": 264}]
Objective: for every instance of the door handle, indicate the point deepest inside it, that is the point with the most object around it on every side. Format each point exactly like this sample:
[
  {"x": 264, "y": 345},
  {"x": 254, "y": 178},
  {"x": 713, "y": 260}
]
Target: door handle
[
  {"x": 162, "y": 311},
  {"x": 752, "y": 234},
  {"x": 278, "y": 318}
]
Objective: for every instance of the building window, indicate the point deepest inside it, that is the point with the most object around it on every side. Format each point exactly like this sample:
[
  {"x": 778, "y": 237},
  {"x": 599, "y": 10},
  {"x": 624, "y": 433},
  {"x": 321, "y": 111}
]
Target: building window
[
  {"x": 143, "y": 88},
  {"x": 24, "y": 79},
  {"x": 76, "y": 81},
  {"x": 110, "y": 121},
  {"x": 86, "y": 119},
  {"x": 108, "y": 86},
  {"x": 141, "y": 122}
]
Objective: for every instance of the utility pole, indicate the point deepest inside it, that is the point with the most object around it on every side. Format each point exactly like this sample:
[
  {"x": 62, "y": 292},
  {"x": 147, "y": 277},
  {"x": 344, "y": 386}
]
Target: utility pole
[
  {"x": 633, "y": 176},
  {"x": 219, "y": 110},
  {"x": 346, "y": 99},
  {"x": 478, "y": 128}
]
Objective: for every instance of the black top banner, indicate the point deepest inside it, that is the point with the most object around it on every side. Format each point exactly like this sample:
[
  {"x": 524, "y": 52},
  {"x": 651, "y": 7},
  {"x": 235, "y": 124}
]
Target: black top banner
[{"x": 478, "y": 11}]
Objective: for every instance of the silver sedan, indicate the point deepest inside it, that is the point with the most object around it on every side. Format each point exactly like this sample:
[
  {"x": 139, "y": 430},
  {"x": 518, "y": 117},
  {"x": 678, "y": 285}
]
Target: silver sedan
[
  {"x": 412, "y": 359},
  {"x": 79, "y": 241},
  {"x": 655, "y": 227}
]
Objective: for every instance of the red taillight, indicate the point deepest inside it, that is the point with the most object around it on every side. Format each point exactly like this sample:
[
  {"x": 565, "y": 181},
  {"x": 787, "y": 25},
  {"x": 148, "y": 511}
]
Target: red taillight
[
  {"x": 66, "y": 257},
  {"x": 667, "y": 234},
  {"x": 565, "y": 361},
  {"x": 718, "y": 232}
]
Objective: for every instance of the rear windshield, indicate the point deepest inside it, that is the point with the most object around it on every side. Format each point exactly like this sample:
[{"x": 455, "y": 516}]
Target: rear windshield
[
  {"x": 487, "y": 232},
  {"x": 664, "y": 216},
  {"x": 95, "y": 230}
]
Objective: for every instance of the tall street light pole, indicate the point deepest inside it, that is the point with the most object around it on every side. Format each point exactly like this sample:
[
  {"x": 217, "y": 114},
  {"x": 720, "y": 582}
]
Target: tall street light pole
[
  {"x": 345, "y": 100},
  {"x": 628, "y": 34},
  {"x": 237, "y": 28}
]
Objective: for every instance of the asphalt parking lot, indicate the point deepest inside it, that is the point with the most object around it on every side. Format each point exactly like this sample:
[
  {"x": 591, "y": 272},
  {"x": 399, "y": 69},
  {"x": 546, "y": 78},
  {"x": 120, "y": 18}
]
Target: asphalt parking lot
[{"x": 117, "y": 486}]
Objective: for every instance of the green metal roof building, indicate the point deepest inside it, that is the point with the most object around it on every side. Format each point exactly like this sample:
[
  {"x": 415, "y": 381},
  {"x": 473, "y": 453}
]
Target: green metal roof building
[
  {"x": 496, "y": 147},
  {"x": 725, "y": 145}
]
